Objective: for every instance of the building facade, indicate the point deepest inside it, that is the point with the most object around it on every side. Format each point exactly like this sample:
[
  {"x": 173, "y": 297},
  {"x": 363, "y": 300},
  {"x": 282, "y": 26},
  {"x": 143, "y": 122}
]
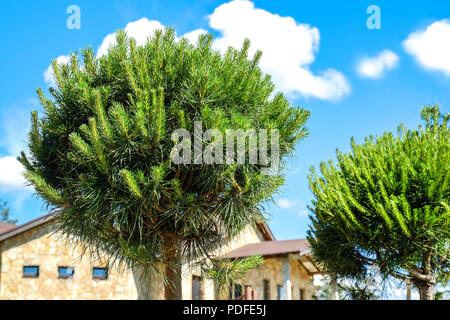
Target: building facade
[{"x": 36, "y": 263}]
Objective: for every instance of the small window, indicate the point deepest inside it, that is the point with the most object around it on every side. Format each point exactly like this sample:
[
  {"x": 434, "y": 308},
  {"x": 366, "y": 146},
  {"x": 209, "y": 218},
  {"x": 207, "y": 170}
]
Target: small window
[
  {"x": 302, "y": 294},
  {"x": 279, "y": 292},
  {"x": 30, "y": 271},
  {"x": 266, "y": 288},
  {"x": 196, "y": 288},
  {"x": 100, "y": 273},
  {"x": 65, "y": 272}
]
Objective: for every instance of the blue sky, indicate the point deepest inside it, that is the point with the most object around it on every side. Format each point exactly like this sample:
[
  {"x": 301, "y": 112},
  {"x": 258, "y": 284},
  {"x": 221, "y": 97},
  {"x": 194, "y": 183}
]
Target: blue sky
[{"x": 355, "y": 81}]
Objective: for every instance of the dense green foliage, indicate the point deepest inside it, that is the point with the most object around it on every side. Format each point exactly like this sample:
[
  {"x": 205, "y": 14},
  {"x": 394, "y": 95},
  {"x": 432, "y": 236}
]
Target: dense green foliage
[
  {"x": 386, "y": 204},
  {"x": 101, "y": 150}
]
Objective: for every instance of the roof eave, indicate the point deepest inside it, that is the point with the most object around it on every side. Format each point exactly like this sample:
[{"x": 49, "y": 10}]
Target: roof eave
[{"x": 27, "y": 226}]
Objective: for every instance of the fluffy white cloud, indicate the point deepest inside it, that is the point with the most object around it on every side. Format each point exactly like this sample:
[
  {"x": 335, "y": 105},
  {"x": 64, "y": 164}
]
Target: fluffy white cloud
[
  {"x": 286, "y": 203},
  {"x": 288, "y": 48},
  {"x": 192, "y": 36},
  {"x": 140, "y": 30},
  {"x": 375, "y": 67},
  {"x": 431, "y": 47},
  {"x": 11, "y": 171},
  {"x": 48, "y": 74}
]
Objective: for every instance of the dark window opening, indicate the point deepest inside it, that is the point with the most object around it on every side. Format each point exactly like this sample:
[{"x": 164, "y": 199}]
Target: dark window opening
[
  {"x": 237, "y": 290},
  {"x": 65, "y": 272},
  {"x": 100, "y": 273},
  {"x": 266, "y": 287},
  {"x": 196, "y": 288},
  {"x": 30, "y": 271},
  {"x": 302, "y": 294}
]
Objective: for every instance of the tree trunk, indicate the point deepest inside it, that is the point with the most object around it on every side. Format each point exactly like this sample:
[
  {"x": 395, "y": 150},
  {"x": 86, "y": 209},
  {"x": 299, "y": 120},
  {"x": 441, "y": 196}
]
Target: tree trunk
[
  {"x": 172, "y": 265},
  {"x": 426, "y": 290},
  {"x": 427, "y": 280},
  {"x": 408, "y": 289}
]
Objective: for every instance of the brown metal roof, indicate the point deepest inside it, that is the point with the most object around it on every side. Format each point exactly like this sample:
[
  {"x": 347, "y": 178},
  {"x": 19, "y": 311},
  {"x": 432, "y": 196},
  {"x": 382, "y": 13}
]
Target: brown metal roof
[
  {"x": 269, "y": 248},
  {"x": 15, "y": 230},
  {"x": 5, "y": 227}
]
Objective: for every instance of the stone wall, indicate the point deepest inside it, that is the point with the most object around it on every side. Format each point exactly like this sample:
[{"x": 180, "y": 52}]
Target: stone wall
[{"x": 41, "y": 247}]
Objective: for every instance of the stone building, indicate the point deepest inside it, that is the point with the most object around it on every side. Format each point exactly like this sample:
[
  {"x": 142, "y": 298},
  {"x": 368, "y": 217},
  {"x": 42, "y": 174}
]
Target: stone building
[{"x": 35, "y": 263}]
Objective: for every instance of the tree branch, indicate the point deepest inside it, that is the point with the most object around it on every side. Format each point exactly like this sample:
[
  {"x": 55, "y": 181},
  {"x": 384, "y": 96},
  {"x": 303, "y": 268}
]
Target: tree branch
[
  {"x": 423, "y": 277},
  {"x": 400, "y": 276}
]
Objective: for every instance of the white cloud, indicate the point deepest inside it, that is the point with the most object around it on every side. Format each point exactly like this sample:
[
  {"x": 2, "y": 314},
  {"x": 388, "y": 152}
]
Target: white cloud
[
  {"x": 288, "y": 49},
  {"x": 48, "y": 74},
  {"x": 11, "y": 174},
  {"x": 375, "y": 67},
  {"x": 431, "y": 47},
  {"x": 192, "y": 36},
  {"x": 284, "y": 203},
  {"x": 140, "y": 30}
]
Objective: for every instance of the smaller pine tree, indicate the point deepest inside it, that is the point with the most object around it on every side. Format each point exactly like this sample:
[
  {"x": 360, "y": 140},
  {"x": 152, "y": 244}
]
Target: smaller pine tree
[{"x": 386, "y": 204}]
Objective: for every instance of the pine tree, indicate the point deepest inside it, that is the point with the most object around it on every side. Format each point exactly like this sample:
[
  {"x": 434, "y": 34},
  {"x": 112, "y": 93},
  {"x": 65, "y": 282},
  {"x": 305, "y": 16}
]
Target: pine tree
[
  {"x": 101, "y": 152},
  {"x": 386, "y": 205}
]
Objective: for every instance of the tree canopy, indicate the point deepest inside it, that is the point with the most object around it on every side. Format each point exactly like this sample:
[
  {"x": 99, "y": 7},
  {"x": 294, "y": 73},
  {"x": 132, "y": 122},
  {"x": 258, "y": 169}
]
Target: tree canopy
[
  {"x": 385, "y": 204},
  {"x": 101, "y": 150}
]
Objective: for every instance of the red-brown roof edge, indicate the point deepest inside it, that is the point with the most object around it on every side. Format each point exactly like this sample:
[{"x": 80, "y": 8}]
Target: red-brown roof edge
[
  {"x": 5, "y": 227},
  {"x": 27, "y": 226},
  {"x": 269, "y": 248}
]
